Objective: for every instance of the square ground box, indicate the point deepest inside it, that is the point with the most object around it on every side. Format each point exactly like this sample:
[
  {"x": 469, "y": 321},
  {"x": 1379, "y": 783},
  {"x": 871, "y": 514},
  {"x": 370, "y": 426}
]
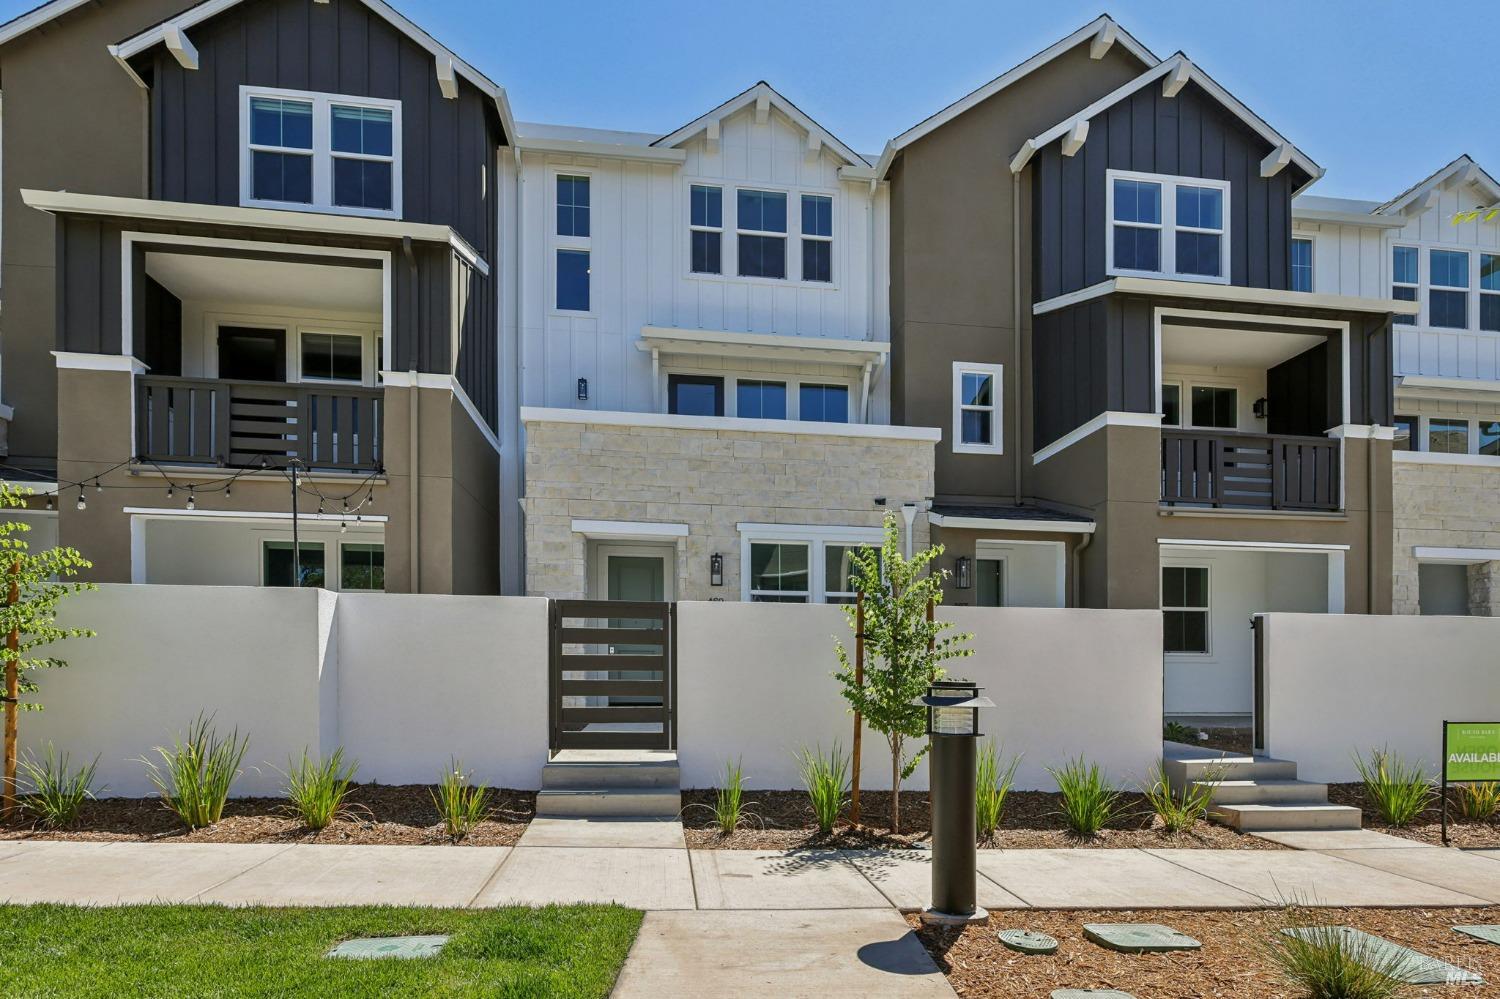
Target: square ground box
[
  {"x": 1139, "y": 938},
  {"x": 372, "y": 948}
]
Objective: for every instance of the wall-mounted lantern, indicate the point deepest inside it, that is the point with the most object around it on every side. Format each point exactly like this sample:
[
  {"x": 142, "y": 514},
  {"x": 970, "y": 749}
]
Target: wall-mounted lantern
[
  {"x": 716, "y": 569},
  {"x": 953, "y": 731},
  {"x": 1259, "y": 407},
  {"x": 963, "y": 576},
  {"x": 583, "y": 390}
]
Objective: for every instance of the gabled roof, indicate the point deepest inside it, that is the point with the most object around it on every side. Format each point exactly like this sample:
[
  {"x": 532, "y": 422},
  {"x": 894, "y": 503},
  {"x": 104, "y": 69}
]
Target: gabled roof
[
  {"x": 36, "y": 17},
  {"x": 1462, "y": 170},
  {"x": 448, "y": 65},
  {"x": 1175, "y": 73},
  {"x": 1102, "y": 33},
  {"x": 763, "y": 97}
]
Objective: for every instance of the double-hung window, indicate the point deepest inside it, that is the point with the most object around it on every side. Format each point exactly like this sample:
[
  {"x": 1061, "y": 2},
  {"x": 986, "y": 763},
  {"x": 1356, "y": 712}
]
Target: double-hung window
[
  {"x": 976, "y": 408},
  {"x": 1405, "y": 280},
  {"x": 1302, "y": 264},
  {"x": 817, "y": 237},
  {"x": 1184, "y": 604},
  {"x": 706, "y": 228},
  {"x": 571, "y": 260},
  {"x": 1448, "y": 289},
  {"x": 1489, "y": 292},
  {"x": 320, "y": 152},
  {"x": 760, "y": 223},
  {"x": 1173, "y": 227}
]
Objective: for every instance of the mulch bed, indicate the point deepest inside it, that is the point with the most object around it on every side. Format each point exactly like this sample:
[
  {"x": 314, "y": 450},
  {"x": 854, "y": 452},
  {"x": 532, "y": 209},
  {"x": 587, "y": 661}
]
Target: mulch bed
[
  {"x": 782, "y": 820},
  {"x": 380, "y": 814},
  {"x": 1230, "y": 740},
  {"x": 1428, "y": 826},
  {"x": 1231, "y": 963}
]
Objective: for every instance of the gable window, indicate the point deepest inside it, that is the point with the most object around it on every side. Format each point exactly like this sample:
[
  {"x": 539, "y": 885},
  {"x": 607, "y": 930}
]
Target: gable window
[
  {"x": 1184, "y": 604},
  {"x": 1302, "y": 265},
  {"x": 333, "y": 357},
  {"x": 320, "y": 152},
  {"x": 760, "y": 221},
  {"x": 1489, "y": 292},
  {"x": 706, "y": 221},
  {"x": 1167, "y": 226},
  {"x": 823, "y": 403},
  {"x": 695, "y": 395},
  {"x": 1215, "y": 407},
  {"x": 759, "y": 400},
  {"x": 1404, "y": 279},
  {"x": 817, "y": 237},
  {"x": 976, "y": 408},
  {"x": 573, "y": 280},
  {"x": 1448, "y": 289},
  {"x": 572, "y": 205}
]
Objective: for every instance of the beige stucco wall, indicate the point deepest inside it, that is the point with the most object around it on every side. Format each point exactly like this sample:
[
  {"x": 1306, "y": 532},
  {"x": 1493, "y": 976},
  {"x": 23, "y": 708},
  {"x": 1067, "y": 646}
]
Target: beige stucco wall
[
  {"x": 711, "y": 480},
  {"x": 1439, "y": 506}
]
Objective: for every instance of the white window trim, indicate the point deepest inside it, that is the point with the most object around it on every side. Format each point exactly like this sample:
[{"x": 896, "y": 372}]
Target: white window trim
[
  {"x": 729, "y": 250},
  {"x": 792, "y": 382},
  {"x": 303, "y": 332},
  {"x": 1185, "y": 403},
  {"x": 322, "y": 153},
  {"x": 996, "y": 373},
  {"x": 784, "y": 235},
  {"x": 1312, "y": 261},
  {"x": 1422, "y": 321},
  {"x": 815, "y": 538},
  {"x": 718, "y": 229},
  {"x": 1482, "y": 292},
  {"x": 1168, "y": 226},
  {"x": 808, "y": 237},
  {"x": 1471, "y": 304},
  {"x": 556, "y": 242},
  {"x": 1423, "y": 428},
  {"x": 292, "y": 328},
  {"x": 1206, "y": 609}
]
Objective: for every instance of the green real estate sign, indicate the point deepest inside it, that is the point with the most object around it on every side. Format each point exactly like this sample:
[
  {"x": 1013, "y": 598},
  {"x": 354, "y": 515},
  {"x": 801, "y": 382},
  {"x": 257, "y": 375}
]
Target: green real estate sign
[{"x": 1472, "y": 751}]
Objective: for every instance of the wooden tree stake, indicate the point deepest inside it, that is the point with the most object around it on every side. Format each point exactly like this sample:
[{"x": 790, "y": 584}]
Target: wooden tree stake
[
  {"x": 12, "y": 692},
  {"x": 859, "y": 680}
]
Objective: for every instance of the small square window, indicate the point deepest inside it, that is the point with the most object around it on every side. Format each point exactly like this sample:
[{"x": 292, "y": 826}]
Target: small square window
[
  {"x": 363, "y": 130},
  {"x": 362, "y": 567},
  {"x": 1448, "y": 436},
  {"x": 284, "y": 177},
  {"x": 823, "y": 403},
  {"x": 1137, "y": 249},
  {"x": 762, "y": 211},
  {"x": 332, "y": 357},
  {"x": 695, "y": 395},
  {"x": 758, "y": 400},
  {"x": 275, "y": 122},
  {"x": 1200, "y": 207},
  {"x": 1215, "y": 407},
  {"x": 762, "y": 256},
  {"x": 573, "y": 280},
  {"x": 1137, "y": 201},
  {"x": 779, "y": 573},
  {"x": 362, "y": 184},
  {"x": 276, "y": 564},
  {"x": 572, "y": 205}
]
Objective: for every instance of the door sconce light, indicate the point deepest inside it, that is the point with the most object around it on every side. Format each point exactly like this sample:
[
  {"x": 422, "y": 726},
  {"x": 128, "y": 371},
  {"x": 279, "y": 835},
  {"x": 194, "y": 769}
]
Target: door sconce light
[
  {"x": 583, "y": 390},
  {"x": 1259, "y": 409},
  {"x": 716, "y": 569},
  {"x": 962, "y": 574}
]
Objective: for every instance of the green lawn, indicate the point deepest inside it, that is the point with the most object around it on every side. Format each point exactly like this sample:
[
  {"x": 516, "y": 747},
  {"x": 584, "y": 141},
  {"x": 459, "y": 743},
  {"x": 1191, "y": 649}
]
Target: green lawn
[{"x": 148, "y": 951}]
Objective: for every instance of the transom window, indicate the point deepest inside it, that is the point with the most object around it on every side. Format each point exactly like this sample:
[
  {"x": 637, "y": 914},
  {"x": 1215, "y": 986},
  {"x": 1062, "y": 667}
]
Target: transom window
[
  {"x": 1448, "y": 294},
  {"x": 976, "y": 408},
  {"x": 572, "y": 205},
  {"x": 706, "y": 220},
  {"x": 320, "y": 152},
  {"x": 817, "y": 237},
  {"x": 1167, "y": 226},
  {"x": 793, "y": 564},
  {"x": 1302, "y": 265},
  {"x": 760, "y": 220},
  {"x": 1184, "y": 604},
  {"x": 1405, "y": 279}
]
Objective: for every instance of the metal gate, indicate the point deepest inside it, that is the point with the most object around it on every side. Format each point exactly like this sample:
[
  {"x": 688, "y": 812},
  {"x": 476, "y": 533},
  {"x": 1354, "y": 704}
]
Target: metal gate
[{"x": 612, "y": 675}]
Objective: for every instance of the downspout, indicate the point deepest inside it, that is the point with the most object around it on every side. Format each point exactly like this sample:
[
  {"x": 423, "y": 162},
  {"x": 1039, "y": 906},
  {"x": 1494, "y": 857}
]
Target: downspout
[
  {"x": 414, "y": 500},
  {"x": 1083, "y": 543},
  {"x": 1015, "y": 355}
]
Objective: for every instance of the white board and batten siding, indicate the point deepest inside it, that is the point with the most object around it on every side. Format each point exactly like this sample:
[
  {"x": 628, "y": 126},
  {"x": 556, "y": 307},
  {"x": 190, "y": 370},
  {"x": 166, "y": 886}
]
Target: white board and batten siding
[{"x": 640, "y": 276}]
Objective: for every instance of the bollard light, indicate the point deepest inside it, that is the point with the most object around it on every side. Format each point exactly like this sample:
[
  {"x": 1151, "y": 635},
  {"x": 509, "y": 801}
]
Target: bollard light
[{"x": 953, "y": 732}]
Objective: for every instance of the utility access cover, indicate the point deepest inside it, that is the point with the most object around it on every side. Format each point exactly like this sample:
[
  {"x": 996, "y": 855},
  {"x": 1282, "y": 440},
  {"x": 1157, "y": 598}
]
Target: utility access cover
[
  {"x": 366, "y": 948},
  {"x": 1407, "y": 965},
  {"x": 1139, "y": 938},
  {"x": 1489, "y": 934},
  {"x": 1028, "y": 942}
]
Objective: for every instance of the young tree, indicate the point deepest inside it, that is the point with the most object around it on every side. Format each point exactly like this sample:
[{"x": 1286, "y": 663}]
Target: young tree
[
  {"x": 905, "y": 648},
  {"x": 35, "y": 583}
]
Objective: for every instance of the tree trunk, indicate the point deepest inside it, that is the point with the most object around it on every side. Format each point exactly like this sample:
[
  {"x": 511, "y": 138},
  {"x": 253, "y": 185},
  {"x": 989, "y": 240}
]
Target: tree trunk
[
  {"x": 12, "y": 693},
  {"x": 859, "y": 721},
  {"x": 895, "y": 788}
]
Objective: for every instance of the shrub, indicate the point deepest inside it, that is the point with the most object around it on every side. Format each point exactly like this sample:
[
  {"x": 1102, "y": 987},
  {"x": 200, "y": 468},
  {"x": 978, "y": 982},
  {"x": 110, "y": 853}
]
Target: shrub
[
  {"x": 827, "y": 781},
  {"x": 55, "y": 792},
  {"x": 1479, "y": 802},
  {"x": 1088, "y": 800},
  {"x": 461, "y": 804},
  {"x": 195, "y": 774},
  {"x": 318, "y": 789},
  {"x": 992, "y": 788},
  {"x": 1179, "y": 812},
  {"x": 1326, "y": 963},
  {"x": 1178, "y": 732},
  {"x": 1399, "y": 791},
  {"x": 729, "y": 800}
]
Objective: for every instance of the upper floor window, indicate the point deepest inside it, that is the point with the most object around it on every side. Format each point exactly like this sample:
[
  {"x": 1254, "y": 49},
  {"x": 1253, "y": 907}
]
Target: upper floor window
[
  {"x": 695, "y": 395},
  {"x": 1489, "y": 292},
  {"x": 817, "y": 237},
  {"x": 706, "y": 225},
  {"x": 320, "y": 152},
  {"x": 572, "y": 205},
  {"x": 760, "y": 400},
  {"x": 760, "y": 219},
  {"x": 1448, "y": 291},
  {"x": 1404, "y": 278},
  {"x": 823, "y": 403},
  {"x": 1167, "y": 226},
  {"x": 976, "y": 408},
  {"x": 573, "y": 280},
  {"x": 572, "y": 261},
  {"x": 1302, "y": 264}
]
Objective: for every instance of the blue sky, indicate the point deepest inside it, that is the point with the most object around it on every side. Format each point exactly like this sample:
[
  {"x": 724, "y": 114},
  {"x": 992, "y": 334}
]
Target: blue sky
[{"x": 1376, "y": 97}]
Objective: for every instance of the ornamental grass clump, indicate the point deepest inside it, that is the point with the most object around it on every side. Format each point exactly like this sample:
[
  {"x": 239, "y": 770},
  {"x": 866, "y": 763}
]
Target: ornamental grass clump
[
  {"x": 729, "y": 799},
  {"x": 1179, "y": 812},
  {"x": 55, "y": 791},
  {"x": 1399, "y": 791},
  {"x": 1324, "y": 962},
  {"x": 1479, "y": 802},
  {"x": 827, "y": 781},
  {"x": 1088, "y": 800},
  {"x": 318, "y": 790},
  {"x": 461, "y": 804},
  {"x": 992, "y": 788},
  {"x": 195, "y": 775}
]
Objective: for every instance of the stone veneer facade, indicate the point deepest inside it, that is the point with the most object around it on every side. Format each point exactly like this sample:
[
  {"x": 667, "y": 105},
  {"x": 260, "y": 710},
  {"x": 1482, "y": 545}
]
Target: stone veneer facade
[
  {"x": 1442, "y": 505},
  {"x": 711, "y": 476}
]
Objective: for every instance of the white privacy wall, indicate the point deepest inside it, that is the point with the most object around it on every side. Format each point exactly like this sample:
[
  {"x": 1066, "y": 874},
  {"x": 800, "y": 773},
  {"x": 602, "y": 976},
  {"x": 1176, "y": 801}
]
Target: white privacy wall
[
  {"x": 755, "y": 685},
  {"x": 1338, "y": 684}
]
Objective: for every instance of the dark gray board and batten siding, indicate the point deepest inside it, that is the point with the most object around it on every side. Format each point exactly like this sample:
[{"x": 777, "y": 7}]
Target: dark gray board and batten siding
[
  {"x": 1190, "y": 135},
  {"x": 448, "y": 147}
]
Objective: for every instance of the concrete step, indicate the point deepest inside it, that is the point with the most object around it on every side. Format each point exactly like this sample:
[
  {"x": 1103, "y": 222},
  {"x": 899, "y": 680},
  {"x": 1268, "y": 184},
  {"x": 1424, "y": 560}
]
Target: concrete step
[
  {"x": 1268, "y": 792},
  {"x": 641, "y": 802},
  {"x": 577, "y": 774},
  {"x": 1286, "y": 817},
  {"x": 1185, "y": 764}
]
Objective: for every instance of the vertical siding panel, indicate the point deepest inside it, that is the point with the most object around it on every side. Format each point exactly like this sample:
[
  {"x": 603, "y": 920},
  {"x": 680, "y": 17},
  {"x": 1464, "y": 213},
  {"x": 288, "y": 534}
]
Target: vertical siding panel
[
  {"x": 263, "y": 45},
  {"x": 1142, "y": 106},
  {"x": 228, "y": 68},
  {"x": 172, "y": 124},
  {"x": 353, "y": 49},
  {"x": 1095, "y": 155},
  {"x": 294, "y": 61},
  {"x": 1073, "y": 219},
  {"x": 1168, "y": 155},
  {"x": 323, "y": 43}
]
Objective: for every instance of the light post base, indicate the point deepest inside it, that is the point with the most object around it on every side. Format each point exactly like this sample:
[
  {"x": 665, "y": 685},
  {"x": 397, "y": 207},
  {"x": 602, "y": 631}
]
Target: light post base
[{"x": 931, "y": 917}]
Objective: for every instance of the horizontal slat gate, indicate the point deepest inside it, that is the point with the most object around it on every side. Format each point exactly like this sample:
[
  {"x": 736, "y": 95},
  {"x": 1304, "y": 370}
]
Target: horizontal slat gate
[
  {"x": 611, "y": 675},
  {"x": 1249, "y": 471}
]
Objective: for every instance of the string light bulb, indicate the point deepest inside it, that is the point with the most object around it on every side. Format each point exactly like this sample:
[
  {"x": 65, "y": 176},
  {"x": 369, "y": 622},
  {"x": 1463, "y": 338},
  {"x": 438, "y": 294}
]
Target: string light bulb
[
  {"x": 343, "y": 527},
  {"x": 169, "y": 490},
  {"x": 49, "y": 500},
  {"x": 192, "y": 503},
  {"x": 82, "y": 503},
  {"x": 98, "y": 486}
]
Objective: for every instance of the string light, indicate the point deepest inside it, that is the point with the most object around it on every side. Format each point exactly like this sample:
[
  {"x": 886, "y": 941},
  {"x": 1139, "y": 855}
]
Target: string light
[
  {"x": 192, "y": 503},
  {"x": 49, "y": 500},
  {"x": 82, "y": 503},
  {"x": 98, "y": 486}
]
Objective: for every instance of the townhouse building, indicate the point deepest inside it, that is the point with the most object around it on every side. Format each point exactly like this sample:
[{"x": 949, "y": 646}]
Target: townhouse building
[
  {"x": 1429, "y": 246},
  {"x": 250, "y": 267}
]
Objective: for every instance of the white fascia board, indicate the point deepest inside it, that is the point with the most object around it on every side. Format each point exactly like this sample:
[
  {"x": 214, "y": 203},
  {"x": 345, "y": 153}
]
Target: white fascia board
[
  {"x": 1362, "y": 432},
  {"x": 1168, "y": 288},
  {"x": 1005, "y": 524},
  {"x": 1085, "y": 34},
  {"x": 1463, "y": 166},
  {"x": 1455, "y": 556},
  {"x": 808, "y": 532},
  {"x": 1271, "y": 546},
  {"x": 68, "y": 202},
  {"x": 671, "y": 340},
  {"x": 1107, "y": 419},
  {"x": 37, "y": 17},
  {"x": 537, "y": 414},
  {"x": 1423, "y": 386},
  {"x": 277, "y": 516},
  {"x": 628, "y": 530},
  {"x": 612, "y": 150},
  {"x": 1346, "y": 218},
  {"x": 763, "y": 96}
]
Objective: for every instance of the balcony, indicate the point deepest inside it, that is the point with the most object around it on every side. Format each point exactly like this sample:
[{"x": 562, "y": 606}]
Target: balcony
[
  {"x": 1229, "y": 470},
  {"x": 245, "y": 424}
]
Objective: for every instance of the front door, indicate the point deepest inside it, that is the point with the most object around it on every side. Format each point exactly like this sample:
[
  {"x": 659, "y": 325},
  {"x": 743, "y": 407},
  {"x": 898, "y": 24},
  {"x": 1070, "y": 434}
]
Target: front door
[{"x": 639, "y": 573}]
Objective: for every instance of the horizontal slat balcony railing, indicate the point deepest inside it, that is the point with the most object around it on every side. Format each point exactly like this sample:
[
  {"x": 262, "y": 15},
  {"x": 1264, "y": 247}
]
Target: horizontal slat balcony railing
[
  {"x": 1216, "y": 468},
  {"x": 246, "y": 424}
]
